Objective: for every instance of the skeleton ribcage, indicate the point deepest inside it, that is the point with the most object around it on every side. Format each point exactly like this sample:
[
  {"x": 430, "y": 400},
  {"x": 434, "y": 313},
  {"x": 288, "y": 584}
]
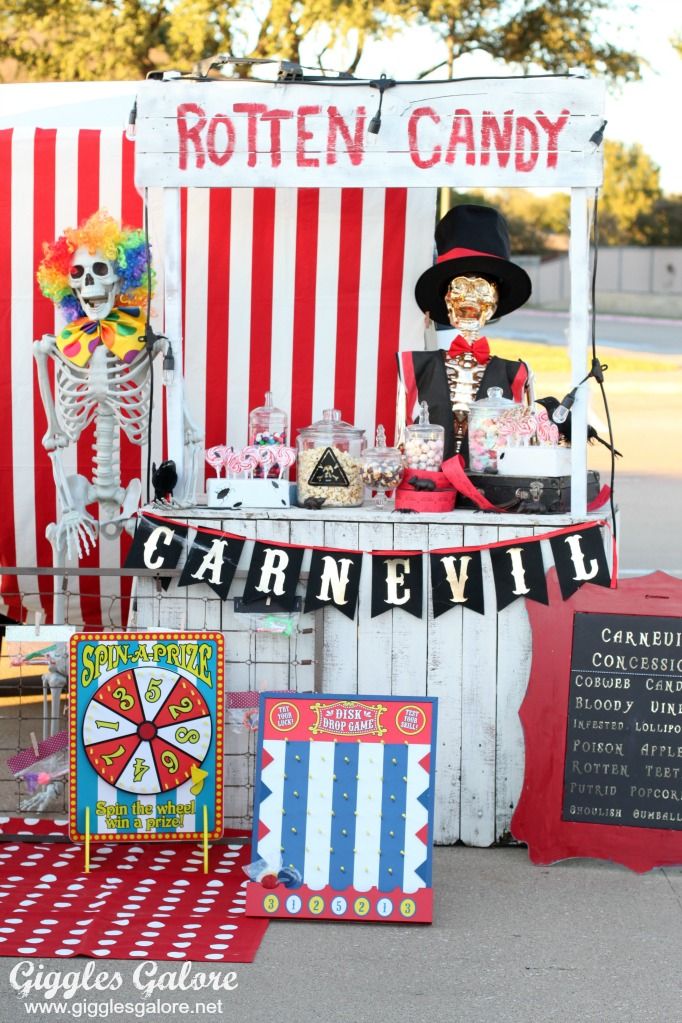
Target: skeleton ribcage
[{"x": 121, "y": 391}]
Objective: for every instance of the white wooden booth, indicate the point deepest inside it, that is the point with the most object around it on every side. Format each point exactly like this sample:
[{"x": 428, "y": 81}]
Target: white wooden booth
[{"x": 486, "y": 132}]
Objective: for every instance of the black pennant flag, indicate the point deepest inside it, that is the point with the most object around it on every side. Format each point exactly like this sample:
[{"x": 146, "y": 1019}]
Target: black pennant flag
[
  {"x": 580, "y": 558},
  {"x": 518, "y": 571},
  {"x": 156, "y": 544},
  {"x": 334, "y": 581},
  {"x": 273, "y": 575},
  {"x": 212, "y": 560},
  {"x": 397, "y": 582},
  {"x": 456, "y": 581}
]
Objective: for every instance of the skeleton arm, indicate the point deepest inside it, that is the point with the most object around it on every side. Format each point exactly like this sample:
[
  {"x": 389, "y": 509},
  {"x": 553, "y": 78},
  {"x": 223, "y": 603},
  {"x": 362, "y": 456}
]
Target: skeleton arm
[{"x": 42, "y": 351}]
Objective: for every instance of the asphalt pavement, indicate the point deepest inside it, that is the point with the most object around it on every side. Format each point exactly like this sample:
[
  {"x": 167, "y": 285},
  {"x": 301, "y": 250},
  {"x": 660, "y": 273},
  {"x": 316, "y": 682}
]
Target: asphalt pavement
[{"x": 635, "y": 333}]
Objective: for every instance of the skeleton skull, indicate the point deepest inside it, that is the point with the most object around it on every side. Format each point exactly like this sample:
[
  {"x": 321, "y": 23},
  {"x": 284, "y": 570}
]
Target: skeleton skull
[{"x": 95, "y": 282}]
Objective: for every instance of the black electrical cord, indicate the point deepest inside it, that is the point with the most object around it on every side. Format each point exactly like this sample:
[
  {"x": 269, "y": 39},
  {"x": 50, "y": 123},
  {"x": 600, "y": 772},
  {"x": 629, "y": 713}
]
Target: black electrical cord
[
  {"x": 597, "y": 369},
  {"x": 149, "y": 339}
]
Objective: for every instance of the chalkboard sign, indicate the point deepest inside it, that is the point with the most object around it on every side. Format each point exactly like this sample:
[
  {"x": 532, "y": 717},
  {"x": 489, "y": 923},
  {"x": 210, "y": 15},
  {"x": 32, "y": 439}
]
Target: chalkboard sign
[
  {"x": 624, "y": 737},
  {"x": 602, "y": 721}
]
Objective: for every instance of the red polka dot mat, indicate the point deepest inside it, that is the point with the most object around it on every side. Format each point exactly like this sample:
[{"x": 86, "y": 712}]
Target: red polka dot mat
[{"x": 146, "y": 901}]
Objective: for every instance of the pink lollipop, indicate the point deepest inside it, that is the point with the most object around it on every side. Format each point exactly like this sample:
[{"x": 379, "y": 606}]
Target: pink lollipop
[
  {"x": 547, "y": 431},
  {"x": 248, "y": 460},
  {"x": 266, "y": 457},
  {"x": 285, "y": 458},
  {"x": 215, "y": 457},
  {"x": 234, "y": 463}
]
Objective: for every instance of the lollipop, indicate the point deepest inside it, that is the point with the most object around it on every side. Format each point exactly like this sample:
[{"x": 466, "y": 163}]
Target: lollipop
[
  {"x": 217, "y": 457},
  {"x": 248, "y": 460},
  {"x": 234, "y": 463},
  {"x": 547, "y": 431},
  {"x": 285, "y": 458},
  {"x": 266, "y": 457}
]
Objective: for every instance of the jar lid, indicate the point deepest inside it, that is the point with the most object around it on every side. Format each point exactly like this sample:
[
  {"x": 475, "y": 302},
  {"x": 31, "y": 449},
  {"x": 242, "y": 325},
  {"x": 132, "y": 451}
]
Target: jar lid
[
  {"x": 268, "y": 407},
  {"x": 495, "y": 400},
  {"x": 381, "y": 450},
  {"x": 332, "y": 422}
]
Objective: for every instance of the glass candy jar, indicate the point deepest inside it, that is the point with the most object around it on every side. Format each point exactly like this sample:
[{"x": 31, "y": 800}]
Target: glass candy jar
[
  {"x": 268, "y": 425},
  {"x": 329, "y": 468},
  {"x": 382, "y": 468},
  {"x": 487, "y": 435},
  {"x": 424, "y": 442}
]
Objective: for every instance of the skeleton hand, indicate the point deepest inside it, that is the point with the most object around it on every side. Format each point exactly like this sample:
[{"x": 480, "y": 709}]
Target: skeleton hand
[{"x": 76, "y": 532}]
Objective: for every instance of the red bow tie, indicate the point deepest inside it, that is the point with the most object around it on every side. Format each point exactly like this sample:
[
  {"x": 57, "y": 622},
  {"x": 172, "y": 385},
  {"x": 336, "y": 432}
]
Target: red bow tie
[{"x": 479, "y": 349}]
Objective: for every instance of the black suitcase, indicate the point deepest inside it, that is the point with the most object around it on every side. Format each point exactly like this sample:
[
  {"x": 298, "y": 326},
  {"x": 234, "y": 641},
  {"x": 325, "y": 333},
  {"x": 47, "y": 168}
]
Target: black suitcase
[{"x": 540, "y": 495}]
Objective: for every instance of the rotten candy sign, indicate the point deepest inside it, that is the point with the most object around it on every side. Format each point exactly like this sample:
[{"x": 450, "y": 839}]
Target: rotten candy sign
[
  {"x": 146, "y": 736},
  {"x": 271, "y": 133}
]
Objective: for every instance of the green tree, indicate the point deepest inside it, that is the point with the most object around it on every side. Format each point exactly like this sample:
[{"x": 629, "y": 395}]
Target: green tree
[
  {"x": 120, "y": 39},
  {"x": 556, "y": 35},
  {"x": 629, "y": 194}
]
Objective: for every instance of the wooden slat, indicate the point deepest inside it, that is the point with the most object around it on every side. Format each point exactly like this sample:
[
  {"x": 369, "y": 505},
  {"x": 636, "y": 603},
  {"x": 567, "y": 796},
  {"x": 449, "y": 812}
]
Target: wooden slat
[
  {"x": 338, "y": 668},
  {"x": 444, "y": 681},
  {"x": 479, "y": 664},
  {"x": 513, "y": 666},
  {"x": 408, "y": 647},
  {"x": 374, "y": 634}
]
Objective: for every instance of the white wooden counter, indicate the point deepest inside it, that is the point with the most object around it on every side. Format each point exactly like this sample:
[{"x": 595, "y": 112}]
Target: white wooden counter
[{"x": 477, "y": 665}]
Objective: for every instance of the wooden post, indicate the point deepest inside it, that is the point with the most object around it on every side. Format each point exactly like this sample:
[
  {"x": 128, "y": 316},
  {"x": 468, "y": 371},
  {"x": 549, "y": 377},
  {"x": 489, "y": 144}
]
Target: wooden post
[
  {"x": 173, "y": 325},
  {"x": 578, "y": 334}
]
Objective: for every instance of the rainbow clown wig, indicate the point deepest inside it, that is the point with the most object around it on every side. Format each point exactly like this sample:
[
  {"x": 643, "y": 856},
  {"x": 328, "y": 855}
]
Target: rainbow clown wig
[{"x": 124, "y": 246}]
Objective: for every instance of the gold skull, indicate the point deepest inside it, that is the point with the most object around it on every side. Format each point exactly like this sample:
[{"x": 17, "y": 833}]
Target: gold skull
[{"x": 471, "y": 299}]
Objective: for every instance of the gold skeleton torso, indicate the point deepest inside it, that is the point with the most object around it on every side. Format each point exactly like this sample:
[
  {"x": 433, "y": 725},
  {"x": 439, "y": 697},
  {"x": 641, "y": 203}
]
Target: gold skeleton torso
[{"x": 464, "y": 376}]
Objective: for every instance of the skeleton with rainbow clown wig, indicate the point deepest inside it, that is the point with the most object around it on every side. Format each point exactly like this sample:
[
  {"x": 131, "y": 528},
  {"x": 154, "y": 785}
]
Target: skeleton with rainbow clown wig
[{"x": 100, "y": 278}]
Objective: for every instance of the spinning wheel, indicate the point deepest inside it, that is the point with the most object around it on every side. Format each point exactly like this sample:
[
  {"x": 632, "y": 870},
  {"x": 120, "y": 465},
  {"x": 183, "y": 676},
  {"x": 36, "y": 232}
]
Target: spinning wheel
[{"x": 146, "y": 729}]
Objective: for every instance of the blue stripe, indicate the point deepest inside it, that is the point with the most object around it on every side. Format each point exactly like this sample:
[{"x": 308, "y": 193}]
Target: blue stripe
[
  {"x": 393, "y": 809},
  {"x": 295, "y": 804},
  {"x": 344, "y": 806}
]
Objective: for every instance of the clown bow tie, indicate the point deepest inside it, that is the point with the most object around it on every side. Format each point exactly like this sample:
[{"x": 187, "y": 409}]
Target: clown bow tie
[
  {"x": 119, "y": 332},
  {"x": 479, "y": 349}
]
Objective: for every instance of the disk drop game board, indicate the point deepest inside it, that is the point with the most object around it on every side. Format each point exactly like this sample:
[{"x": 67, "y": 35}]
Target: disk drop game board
[{"x": 343, "y": 815}]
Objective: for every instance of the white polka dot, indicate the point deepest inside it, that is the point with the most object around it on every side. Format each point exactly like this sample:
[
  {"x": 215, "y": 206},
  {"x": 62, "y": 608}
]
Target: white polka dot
[
  {"x": 214, "y": 884},
  {"x": 47, "y": 920},
  {"x": 31, "y": 821},
  {"x": 74, "y": 887},
  {"x": 157, "y": 868},
  {"x": 101, "y": 951},
  {"x": 36, "y": 856},
  {"x": 6, "y": 930},
  {"x": 72, "y": 941},
  {"x": 169, "y": 898},
  {"x": 218, "y": 946},
  {"x": 214, "y": 955},
  {"x": 19, "y": 920},
  {"x": 227, "y": 927},
  {"x": 83, "y": 923},
  {"x": 107, "y": 941},
  {"x": 181, "y": 944},
  {"x": 206, "y": 902},
  {"x": 126, "y": 866},
  {"x": 186, "y": 934},
  {"x": 35, "y": 941},
  {"x": 65, "y": 952},
  {"x": 31, "y": 902},
  {"x": 190, "y": 870},
  {"x": 16, "y": 877},
  {"x": 144, "y": 944},
  {"x": 110, "y": 933},
  {"x": 27, "y": 951},
  {"x": 43, "y": 930},
  {"x": 137, "y": 898},
  {"x": 204, "y": 909},
  {"x": 236, "y": 910},
  {"x": 177, "y": 955},
  {"x": 141, "y": 888},
  {"x": 138, "y": 955},
  {"x": 57, "y": 905}
]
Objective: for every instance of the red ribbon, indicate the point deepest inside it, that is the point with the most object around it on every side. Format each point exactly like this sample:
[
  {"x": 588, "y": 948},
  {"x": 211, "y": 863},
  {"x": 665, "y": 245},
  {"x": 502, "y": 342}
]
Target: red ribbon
[{"x": 479, "y": 349}]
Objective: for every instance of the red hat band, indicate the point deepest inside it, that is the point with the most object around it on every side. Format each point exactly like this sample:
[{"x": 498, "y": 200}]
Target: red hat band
[{"x": 463, "y": 253}]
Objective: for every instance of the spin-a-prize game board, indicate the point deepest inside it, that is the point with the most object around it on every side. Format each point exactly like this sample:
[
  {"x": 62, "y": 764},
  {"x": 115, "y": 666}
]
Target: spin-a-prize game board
[
  {"x": 146, "y": 739},
  {"x": 343, "y": 812}
]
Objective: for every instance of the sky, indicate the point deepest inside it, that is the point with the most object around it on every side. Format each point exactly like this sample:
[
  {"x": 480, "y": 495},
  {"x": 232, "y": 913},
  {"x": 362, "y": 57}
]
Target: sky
[{"x": 638, "y": 112}]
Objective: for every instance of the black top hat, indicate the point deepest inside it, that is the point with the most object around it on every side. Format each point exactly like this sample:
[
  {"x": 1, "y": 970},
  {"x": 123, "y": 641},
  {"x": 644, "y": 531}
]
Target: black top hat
[{"x": 472, "y": 240}]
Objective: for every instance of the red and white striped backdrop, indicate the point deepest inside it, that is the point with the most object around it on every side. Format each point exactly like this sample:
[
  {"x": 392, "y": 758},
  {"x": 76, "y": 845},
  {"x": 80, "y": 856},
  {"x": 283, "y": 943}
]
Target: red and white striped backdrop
[{"x": 305, "y": 292}]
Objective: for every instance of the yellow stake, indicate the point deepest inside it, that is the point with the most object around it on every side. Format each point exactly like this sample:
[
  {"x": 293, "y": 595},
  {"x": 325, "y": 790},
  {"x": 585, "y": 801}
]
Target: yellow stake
[
  {"x": 87, "y": 839},
  {"x": 205, "y": 840}
]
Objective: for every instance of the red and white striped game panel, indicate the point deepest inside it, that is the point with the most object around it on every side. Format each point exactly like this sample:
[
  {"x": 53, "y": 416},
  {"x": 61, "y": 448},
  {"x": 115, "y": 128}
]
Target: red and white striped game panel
[{"x": 307, "y": 292}]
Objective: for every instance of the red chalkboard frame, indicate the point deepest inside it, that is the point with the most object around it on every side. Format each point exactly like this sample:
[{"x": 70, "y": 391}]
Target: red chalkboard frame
[{"x": 537, "y": 819}]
